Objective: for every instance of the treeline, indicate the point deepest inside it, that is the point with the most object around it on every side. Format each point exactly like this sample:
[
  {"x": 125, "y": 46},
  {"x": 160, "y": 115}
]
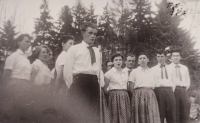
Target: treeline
[{"x": 128, "y": 26}]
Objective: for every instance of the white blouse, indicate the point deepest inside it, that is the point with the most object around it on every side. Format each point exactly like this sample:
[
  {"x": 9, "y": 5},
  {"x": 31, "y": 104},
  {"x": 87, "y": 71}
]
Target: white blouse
[
  {"x": 117, "y": 81},
  {"x": 19, "y": 64},
  {"x": 43, "y": 75},
  {"x": 142, "y": 78}
]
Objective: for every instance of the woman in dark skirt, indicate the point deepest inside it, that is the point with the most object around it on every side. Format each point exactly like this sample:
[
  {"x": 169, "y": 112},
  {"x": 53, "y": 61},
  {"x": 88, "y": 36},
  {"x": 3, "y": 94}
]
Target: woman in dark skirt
[
  {"x": 144, "y": 104},
  {"x": 118, "y": 99},
  {"x": 15, "y": 95}
]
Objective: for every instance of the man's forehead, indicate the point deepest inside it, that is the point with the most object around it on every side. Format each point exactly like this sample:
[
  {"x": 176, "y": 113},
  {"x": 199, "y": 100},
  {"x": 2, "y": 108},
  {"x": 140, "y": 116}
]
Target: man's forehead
[
  {"x": 90, "y": 29},
  {"x": 175, "y": 53},
  {"x": 130, "y": 57}
]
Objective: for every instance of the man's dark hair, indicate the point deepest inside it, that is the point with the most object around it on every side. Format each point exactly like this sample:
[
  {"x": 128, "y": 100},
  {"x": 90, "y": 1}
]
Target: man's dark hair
[
  {"x": 129, "y": 55},
  {"x": 65, "y": 39},
  {"x": 161, "y": 51},
  {"x": 117, "y": 55},
  {"x": 143, "y": 53},
  {"x": 177, "y": 50},
  {"x": 86, "y": 25}
]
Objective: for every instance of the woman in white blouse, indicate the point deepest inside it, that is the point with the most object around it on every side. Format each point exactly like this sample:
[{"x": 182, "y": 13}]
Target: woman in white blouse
[
  {"x": 41, "y": 78},
  {"x": 144, "y": 104},
  {"x": 17, "y": 80},
  {"x": 118, "y": 99}
]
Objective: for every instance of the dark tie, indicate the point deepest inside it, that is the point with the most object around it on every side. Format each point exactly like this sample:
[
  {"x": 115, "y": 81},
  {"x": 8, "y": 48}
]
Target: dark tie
[
  {"x": 178, "y": 73},
  {"x": 92, "y": 55},
  {"x": 166, "y": 75}
]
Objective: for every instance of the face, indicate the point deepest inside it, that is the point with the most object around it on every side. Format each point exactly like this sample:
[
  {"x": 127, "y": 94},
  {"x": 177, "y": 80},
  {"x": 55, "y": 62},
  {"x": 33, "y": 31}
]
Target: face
[
  {"x": 117, "y": 62},
  {"x": 192, "y": 99},
  {"x": 109, "y": 65},
  {"x": 24, "y": 44},
  {"x": 89, "y": 35},
  {"x": 143, "y": 60},
  {"x": 161, "y": 58},
  {"x": 130, "y": 62},
  {"x": 176, "y": 58},
  {"x": 50, "y": 55},
  {"x": 44, "y": 56},
  {"x": 68, "y": 44}
]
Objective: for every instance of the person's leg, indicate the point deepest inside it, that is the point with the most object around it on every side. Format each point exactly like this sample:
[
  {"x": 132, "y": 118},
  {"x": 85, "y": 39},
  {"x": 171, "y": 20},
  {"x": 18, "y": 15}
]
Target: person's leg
[
  {"x": 178, "y": 103},
  {"x": 170, "y": 106},
  {"x": 185, "y": 106},
  {"x": 160, "y": 96}
]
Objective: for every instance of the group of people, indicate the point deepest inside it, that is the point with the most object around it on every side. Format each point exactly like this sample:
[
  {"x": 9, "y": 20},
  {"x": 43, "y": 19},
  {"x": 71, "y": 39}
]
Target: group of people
[{"x": 84, "y": 94}]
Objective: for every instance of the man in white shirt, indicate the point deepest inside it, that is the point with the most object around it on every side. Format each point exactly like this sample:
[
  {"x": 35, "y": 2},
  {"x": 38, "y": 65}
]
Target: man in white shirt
[
  {"x": 164, "y": 89},
  {"x": 81, "y": 72},
  {"x": 181, "y": 78},
  {"x": 130, "y": 63}
]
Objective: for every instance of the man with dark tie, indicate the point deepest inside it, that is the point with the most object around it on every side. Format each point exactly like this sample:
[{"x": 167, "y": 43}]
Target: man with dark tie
[
  {"x": 181, "y": 78},
  {"x": 81, "y": 72},
  {"x": 130, "y": 63},
  {"x": 164, "y": 89}
]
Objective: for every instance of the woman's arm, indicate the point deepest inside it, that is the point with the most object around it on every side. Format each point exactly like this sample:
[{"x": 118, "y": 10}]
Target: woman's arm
[
  {"x": 33, "y": 74},
  {"x": 59, "y": 78},
  {"x": 107, "y": 81}
]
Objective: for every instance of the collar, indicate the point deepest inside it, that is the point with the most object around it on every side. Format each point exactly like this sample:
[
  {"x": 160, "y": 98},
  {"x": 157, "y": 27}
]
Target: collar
[
  {"x": 142, "y": 69},
  {"x": 126, "y": 69},
  {"x": 113, "y": 69},
  {"x": 176, "y": 64},
  {"x": 85, "y": 44},
  {"x": 20, "y": 52}
]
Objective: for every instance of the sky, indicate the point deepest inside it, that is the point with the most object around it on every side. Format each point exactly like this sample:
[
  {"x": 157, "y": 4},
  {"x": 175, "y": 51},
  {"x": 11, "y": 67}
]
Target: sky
[{"x": 23, "y": 13}]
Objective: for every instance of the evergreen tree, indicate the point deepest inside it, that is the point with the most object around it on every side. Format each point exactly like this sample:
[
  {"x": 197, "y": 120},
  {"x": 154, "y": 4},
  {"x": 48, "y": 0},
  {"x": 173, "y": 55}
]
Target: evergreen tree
[
  {"x": 66, "y": 21},
  {"x": 79, "y": 14},
  {"x": 90, "y": 17},
  {"x": 7, "y": 42},
  {"x": 43, "y": 26}
]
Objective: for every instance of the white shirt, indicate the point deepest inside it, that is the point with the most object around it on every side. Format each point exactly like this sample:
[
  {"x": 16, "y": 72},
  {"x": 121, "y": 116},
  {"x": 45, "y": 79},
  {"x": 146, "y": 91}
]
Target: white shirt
[
  {"x": 19, "y": 64},
  {"x": 184, "y": 74},
  {"x": 43, "y": 75},
  {"x": 117, "y": 81},
  {"x": 142, "y": 78},
  {"x": 61, "y": 60},
  {"x": 156, "y": 70},
  {"x": 78, "y": 60}
]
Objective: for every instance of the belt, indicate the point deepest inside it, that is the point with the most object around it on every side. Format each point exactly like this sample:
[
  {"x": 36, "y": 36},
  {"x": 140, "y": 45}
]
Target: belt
[
  {"x": 88, "y": 76},
  {"x": 163, "y": 88},
  {"x": 180, "y": 87},
  {"x": 143, "y": 88}
]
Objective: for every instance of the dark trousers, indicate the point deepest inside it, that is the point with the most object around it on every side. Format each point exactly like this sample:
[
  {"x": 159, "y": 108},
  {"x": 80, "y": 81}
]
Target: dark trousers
[
  {"x": 167, "y": 104},
  {"x": 182, "y": 105},
  {"x": 84, "y": 97}
]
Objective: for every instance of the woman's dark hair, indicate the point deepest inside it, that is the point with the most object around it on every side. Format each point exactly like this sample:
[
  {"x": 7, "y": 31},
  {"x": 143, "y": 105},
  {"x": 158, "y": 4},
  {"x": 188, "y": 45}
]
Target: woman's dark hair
[
  {"x": 38, "y": 49},
  {"x": 19, "y": 39},
  {"x": 65, "y": 39},
  {"x": 117, "y": 55}
]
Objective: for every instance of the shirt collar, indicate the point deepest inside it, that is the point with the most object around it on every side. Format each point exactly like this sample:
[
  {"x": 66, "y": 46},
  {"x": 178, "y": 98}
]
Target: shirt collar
[
  {"x": 142, "y": 69},
  {"x": 85, "y": 44},
  {"x": 20, "y": 52},
  {"x": 113, "y": 69},
  {"x": 175, "y": 64}
]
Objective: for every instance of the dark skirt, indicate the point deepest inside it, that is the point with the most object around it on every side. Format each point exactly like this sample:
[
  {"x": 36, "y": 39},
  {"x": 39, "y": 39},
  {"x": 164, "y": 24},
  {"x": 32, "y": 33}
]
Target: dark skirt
[
  {"x": 84, "y": 99},
  {"x": 119, "y": 106},
  {"x": 144, "y": 106},
  {"x": 15, "y": 101}
]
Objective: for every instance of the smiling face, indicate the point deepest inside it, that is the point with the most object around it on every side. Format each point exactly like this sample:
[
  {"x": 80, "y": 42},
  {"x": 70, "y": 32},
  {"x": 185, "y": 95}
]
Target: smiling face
[
  {"x": 68, "y": 44},
  {"x": 117, "y": 62},
  {"x": 89, "y": 35},
  {"x": 143, "y": 60},
  {"x": 161, "y": 58},
  {"x": 109, "y": 65},
  {"x": 43, "y": 56},
  {"x": 176, "y": 57}
]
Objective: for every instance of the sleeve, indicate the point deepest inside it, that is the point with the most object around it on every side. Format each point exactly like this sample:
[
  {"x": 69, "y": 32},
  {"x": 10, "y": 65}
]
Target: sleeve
[
  {"x": 187, "y": 78},
  {"x": 68, "y": 67},
  {"x": 132, "y": 77},
  {"x": 107, "y": 75},
  {"x": 10, "y": 62},
  {"x": 63, "y": 60}
]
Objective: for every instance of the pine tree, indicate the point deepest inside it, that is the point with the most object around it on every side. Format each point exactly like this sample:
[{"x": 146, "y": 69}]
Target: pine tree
[
  {"x": 66, "y": 21},
  {"x": 90, "y": 16},
  {"x": 7, "y": 42},
  {"x": 43, "y": 26}
]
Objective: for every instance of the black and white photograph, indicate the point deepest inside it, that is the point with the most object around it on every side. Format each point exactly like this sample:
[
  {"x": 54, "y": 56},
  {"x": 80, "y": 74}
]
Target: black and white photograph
[{"x": 99, "y": 61}]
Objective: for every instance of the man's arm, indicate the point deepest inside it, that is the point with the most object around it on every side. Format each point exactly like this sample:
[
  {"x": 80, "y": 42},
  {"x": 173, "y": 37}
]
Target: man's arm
[
  {"x": 187, "y": 78},
  {"x": 6, "y": 75}
]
